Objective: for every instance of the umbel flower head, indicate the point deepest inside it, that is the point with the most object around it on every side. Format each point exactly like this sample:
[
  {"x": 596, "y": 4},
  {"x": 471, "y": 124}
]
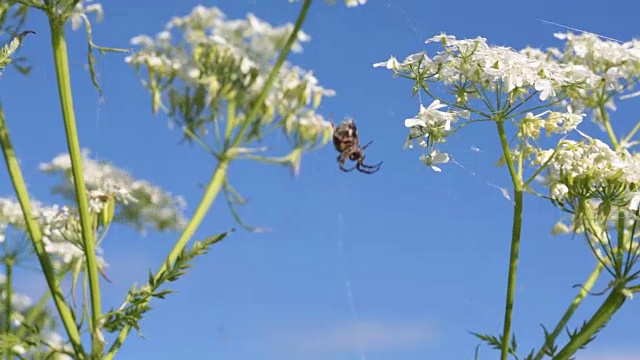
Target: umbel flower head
[
  {"x": 140, "y": 203},
  {"x": 137, "y": 203},
  {"x": 60, "y": 228},
  {"x": 208, "y": 67},
  {"x": 595, "y": 185},
  {"x": 472, "y": 66},
  {"x": 473, "y": 69},
  {"x": 589, "y": 169}
]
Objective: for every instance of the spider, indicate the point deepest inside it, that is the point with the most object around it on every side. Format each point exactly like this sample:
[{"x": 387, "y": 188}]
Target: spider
[{"x": 346, "y": 141}]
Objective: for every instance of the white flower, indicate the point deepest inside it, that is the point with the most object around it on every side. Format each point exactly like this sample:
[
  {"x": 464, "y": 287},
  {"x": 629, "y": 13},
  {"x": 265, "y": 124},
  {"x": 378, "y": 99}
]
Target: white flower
[
  {"x": 434, "y": 158},
  {"x": 390, "y": 64},
  {"x": 559, "y": 191},
  {"x": 353, "y": 3},
  {"x": 545, "y": 87},
  {"x": 432, "y": 117}
]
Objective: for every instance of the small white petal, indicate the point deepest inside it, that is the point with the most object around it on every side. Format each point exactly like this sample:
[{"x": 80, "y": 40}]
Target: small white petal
[{"x": 414, "y": 122}]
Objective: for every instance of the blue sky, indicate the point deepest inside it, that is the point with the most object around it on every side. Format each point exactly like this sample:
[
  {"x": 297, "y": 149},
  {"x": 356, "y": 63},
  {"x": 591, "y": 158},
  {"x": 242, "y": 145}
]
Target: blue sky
[{"x": 396, "y": 265}]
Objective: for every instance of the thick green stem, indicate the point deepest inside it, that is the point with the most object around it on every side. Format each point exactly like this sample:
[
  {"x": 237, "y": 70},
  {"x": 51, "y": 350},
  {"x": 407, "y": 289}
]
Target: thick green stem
[
  {"x": 36, "y": 238},
  {"x": 515, "y": 242},
  {"x": 513, "y": 269},
  {"x": 217, "y": 180},
  {"x": 215, "y": 184},
  {"x": 8, "y": 284},
  {"x": 61, "y": 60},
  {"x": 577, "y": 301},
  {"x": 602, "y": 316}
]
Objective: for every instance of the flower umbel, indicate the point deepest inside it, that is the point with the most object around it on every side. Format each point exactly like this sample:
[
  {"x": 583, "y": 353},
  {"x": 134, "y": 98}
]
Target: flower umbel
[
  {"x": 140, "y": 203},
  {"x": 219, "y": 67}
]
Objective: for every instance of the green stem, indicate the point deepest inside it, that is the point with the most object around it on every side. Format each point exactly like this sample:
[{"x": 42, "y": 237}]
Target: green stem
[
  {"x": 633, "y": 131},
  {"x": 577, "y": 301},
  {"x": 36, "y": 238},
  {"x": 515, "y": 242},
  {"x": 274, "y": 73},
  {"x": 8, "y": 262},
  {"x": 513, "y": 268},
  {"x": 517, "y": 183},
  {"x": 217, "y": 180},
  {"x": 231, "y": 116},
  {"x": 604, "y": 313},
  {"x": 608, "y": 127},
  {"x": 61, "y": 59}
]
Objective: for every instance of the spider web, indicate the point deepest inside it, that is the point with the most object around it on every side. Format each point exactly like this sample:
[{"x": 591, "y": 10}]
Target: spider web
[{"x": 347, "y": 284}]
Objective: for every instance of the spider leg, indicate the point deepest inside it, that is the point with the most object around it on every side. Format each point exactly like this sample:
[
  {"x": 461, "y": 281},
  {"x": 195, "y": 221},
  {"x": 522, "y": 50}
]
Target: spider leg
[
  {"x": 341, "y": 160},
  {"x": 364, "y": 170},
  {"x": 362, "y": 167},
  {"x": 372, "y": 166},
  {"x": 362, "y": 164},
  {"x": 369, "y": 143}
]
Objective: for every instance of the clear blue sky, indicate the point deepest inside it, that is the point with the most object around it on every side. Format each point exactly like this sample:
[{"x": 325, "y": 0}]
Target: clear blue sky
[{"x": 424, "y": 254}]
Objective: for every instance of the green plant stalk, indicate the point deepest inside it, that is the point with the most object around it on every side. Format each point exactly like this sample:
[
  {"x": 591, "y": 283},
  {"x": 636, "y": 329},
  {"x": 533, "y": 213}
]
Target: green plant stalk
[
  {"x": 577, "y": 301},
  {"x": 212, "y": 190},
  {"x": 274, "y": 73},
  {"x": 632, "y": 133},
  {"x": 220, "y": 174},
  {"x": 61, "y": 60},
  {"x": 608, "y": 127},
  {"x": 604, "y": 313},
  {"x": 8, "y": 262},
  {"x": 36, "y": 239},
  {"x": 231, "y": 116},
  {"x": 515, "y": 242}
]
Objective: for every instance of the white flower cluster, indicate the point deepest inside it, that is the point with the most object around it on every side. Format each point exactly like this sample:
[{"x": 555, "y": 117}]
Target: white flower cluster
[
  {"x": 60, "y": 228},
  {"x": 471, "y": 68},
  {"x": 230, "y": 60},
  {"x": 588, "y": 168},
  {"x": 615, "y": 62},
  {"x": 432, "y": 126},
  {"x": 616, "y": 67},
  {"x": 495, "y": 68},
  {"x": 140, "y": 203}
]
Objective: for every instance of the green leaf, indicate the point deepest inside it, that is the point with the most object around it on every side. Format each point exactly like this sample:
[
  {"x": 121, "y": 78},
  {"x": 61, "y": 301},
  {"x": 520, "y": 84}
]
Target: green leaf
[
  {"x": 137, "y": 300},
  {"x": 10, "y": 49}
]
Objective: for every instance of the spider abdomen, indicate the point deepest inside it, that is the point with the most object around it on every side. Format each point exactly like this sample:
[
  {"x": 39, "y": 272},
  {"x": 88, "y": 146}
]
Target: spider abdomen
[{"x": 347, "y": 143}]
